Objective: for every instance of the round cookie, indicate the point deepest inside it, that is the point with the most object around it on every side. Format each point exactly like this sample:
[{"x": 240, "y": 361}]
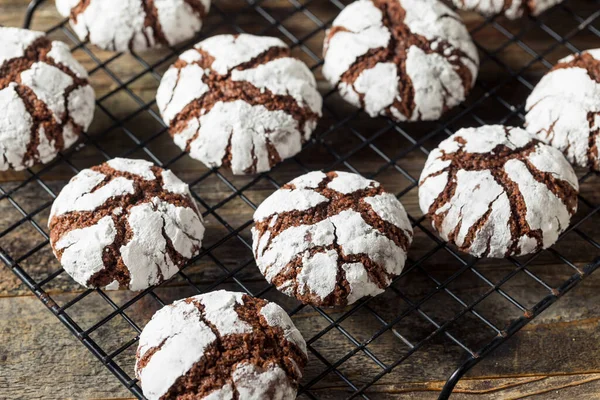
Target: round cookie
[
  {"x": 124, "y": 224},
  {"x": 220, "y": 346},
  {"x": 511, "y": 9},
  {"x": 410, "y": 60},
  {"x": 45, "y": 98},
  {"x": 330, "y": 239},
  {"x": 137, "y": 25},
  {"x": 496, "y": 191},
  {"x": 564, "y": 108},
  {"x": 239, "y": 101}
]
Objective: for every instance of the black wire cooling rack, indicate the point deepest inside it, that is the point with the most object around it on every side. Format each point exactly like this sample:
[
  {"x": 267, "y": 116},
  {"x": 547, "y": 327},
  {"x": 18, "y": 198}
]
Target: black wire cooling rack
[{"x": 446, "y": 309}]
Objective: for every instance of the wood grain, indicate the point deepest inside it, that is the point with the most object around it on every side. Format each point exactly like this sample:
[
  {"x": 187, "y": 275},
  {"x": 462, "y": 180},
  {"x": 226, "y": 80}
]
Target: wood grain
[{"x": 555, "y": 357}]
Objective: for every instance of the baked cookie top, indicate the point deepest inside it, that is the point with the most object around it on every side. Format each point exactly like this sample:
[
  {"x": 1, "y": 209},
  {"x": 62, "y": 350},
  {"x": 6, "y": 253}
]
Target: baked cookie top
[
  {"x": 564, "y": 108},
  {"x": 330, "y": 239},
  {"x": 511, "y": 9},
  {"x": 220, "y": 345},
  {"x": 496, "y": 191},
  {"x": 122, "y": 25},
  {"x": 239, "y": 101},
  {"x": 45, "y": 98},
  {"x": 410, "y": 60},
  {"x": 125, "y": 223}
]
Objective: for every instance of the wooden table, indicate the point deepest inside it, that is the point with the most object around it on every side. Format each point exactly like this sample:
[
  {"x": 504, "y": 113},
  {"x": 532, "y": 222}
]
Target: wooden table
[{"x": 557, "y": 356}]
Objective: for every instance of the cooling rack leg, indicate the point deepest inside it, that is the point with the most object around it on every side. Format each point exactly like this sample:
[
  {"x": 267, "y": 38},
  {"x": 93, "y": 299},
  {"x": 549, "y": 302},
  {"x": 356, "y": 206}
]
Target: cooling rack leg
[
  {"x": 456, "y": 376},
  {"x": 33, "y": 5}
]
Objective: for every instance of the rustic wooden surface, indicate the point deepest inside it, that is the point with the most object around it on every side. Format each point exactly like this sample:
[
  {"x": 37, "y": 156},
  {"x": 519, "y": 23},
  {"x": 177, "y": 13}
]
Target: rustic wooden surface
[{"x": 555, "y": 357}]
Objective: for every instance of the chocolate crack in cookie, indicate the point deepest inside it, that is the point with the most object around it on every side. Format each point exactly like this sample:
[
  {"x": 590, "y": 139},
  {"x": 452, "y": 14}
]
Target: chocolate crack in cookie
[
  {"x": 495, "y": 191},
  {"x": 220, "y": 345},
  {"x": 331, "y": 239},
  {"x": 124, "y": 224},
  {"x": 122, "y": 25},
  {"x": 45, "y": 98},
  {"x": 240, "y": 101},
  {"x": 410, "y": 60},
  {"x": 511, "y": 9},
  {"x": 564, "y": 108}
]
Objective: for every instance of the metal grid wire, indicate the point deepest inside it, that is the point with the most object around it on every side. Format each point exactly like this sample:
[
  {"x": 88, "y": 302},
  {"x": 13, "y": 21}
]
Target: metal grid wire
[{"x": 426, "y": 310}]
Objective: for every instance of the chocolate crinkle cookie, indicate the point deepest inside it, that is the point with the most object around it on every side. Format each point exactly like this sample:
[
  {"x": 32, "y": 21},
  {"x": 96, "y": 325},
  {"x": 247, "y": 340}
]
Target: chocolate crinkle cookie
[
  {"x": 240, "y": 101},
  {"x": 122, "y": 25},
  {"x": 495, "y": 191},
  {"x": 124, "y": 224},
  {"x": 410, "y": 60},
  {"x": 45, "y": 98},
  {"x": 220, "y": 346},
  {"x": 330, "y": 239},
  {"x": 564, "y": 108},
  {"x": 511, "y": 9}
]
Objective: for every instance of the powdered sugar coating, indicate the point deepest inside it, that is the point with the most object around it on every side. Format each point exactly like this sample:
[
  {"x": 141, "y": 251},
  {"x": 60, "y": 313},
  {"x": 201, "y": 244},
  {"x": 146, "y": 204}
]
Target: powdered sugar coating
[
  {"x": 122, "y": 25},
  {"x": 563, "y": 110},
  {"x": 184, "y": 338},
  {"x": 178, "y": 336},
  {"x": 465, "y": 188},
  {"x": 511, "y": 9},
  {"x": 248, "y": 135},
  {"x": 229, "y": 51},
  {"x": 440, "y": 73},
  {"x": 162, "y": 224},
  {"x": 311, "y": 228},
  {"x": 54, "y": 79}
]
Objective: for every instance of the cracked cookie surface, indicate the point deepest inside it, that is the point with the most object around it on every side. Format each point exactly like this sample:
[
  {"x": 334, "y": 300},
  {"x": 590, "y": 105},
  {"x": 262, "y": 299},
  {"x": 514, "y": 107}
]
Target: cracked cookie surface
[
  {"x": 563, "y": 109},
  {"x": 124, "y": 224},
  {"x": 511, "y": 9},
  {"x": 330, "y": 239},
  {"x": 239, "y": 101},
  {"x": 410, "y": 60},
  {"x": 45, "y": 96},
  {"x": 220, "y": 345},
  {"x": 496, "y": 191},
  {"x": 122, "y": 25}
]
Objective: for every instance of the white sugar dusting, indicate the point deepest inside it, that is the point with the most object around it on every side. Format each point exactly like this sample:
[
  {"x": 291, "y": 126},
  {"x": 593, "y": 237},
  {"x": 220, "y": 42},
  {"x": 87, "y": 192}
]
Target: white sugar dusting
[
  {"x": 120, "y": 24},
  {"x": 359, "y": 29},
  {"x": 286, "y": 200},
  {"x": 310, "y": 180},
  {"x": 178, "y": 88},
  {"x": 49, "y": 84},
  {"x": 154, "y": 224},
  {"x": 83, "y": 249},
  {"x": 558, "y": 109},
  {"x": 480, "y": 199},
  {"x": 141, "y": 168},
  {"x": 145, "y": 254},
  {"x": 284, "y": 76},
  {"x": 346, "y": 183},
  {"x": 15, "y": 41},
  {"x": 271, "y": 382},
  {"x": 317, "y": 270},
  {"x": 363, "y": 31},
  {"x": 183, "y": 339},
  {"x": 512, "y": 9},
  {"x": 248, "y": 129},
  {"x": 277, "y": 317},
  {"x": 15, "y": 130},
  {"x": 177, "y": 337},
  {"x": 379, "y": 85},
  {"x": 360, "y": 283},
  {"x": 389, "y": 209},
  {"x": 319, "y": 274},
  {"x": 219, "y": 310},
  {"x": 229, "y": 51},
  {"x": 178, "y": 20}
]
